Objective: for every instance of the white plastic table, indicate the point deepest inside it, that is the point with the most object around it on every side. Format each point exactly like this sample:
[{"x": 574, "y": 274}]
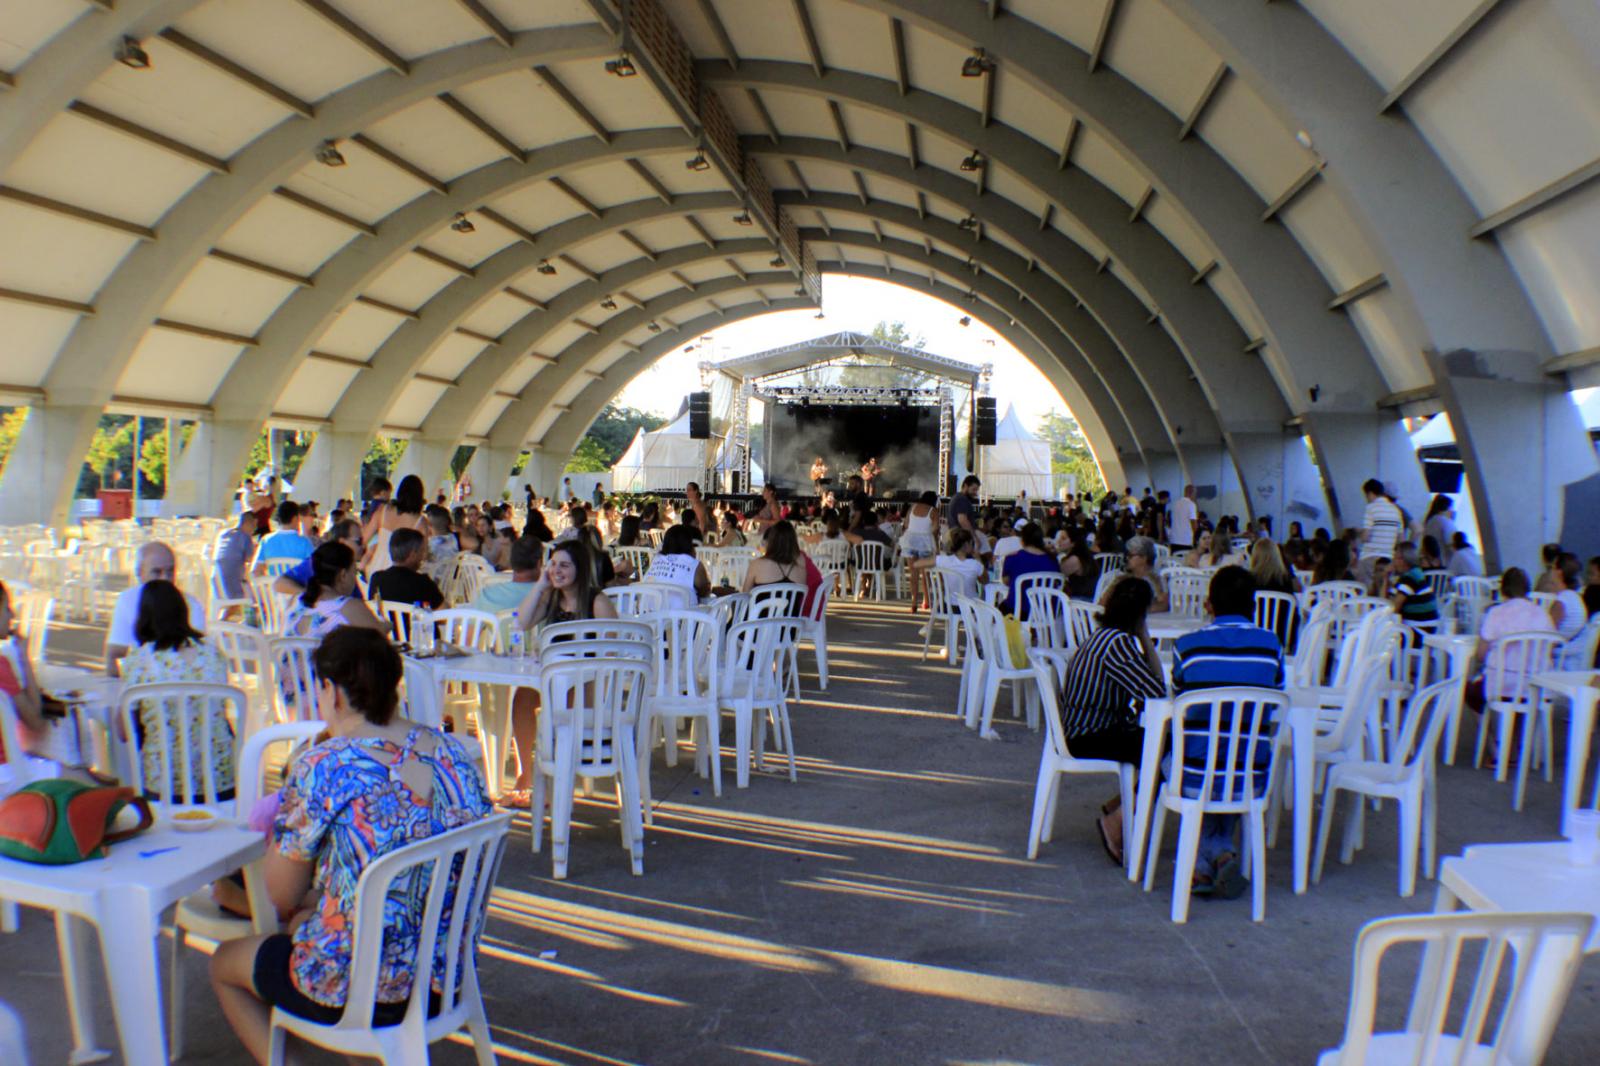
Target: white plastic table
[
  {"x": 1578, "y": 687},
  {"x": 1169, "y": 626},
  {"x": 1520, "y": 877},
  {"x": 1302, "y": 725},
  {"x": 426, "y": 678},
  {"x": 123, "y": 896},
  {"x": 1458, "y": 647}
]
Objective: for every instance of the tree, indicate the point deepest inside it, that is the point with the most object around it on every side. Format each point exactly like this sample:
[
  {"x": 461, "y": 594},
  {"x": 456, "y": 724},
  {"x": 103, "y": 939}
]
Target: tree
[
  {"x": 10, "y": 429},
  {"x": 590, "y": 458},
  {"x": 1069, "y": 451},
  {"x": 610, "y": 436},
  {"x": 879, "y": 372}
]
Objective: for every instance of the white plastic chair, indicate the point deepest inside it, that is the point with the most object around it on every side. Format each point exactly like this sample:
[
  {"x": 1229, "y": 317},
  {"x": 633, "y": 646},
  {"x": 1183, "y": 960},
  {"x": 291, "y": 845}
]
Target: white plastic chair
[
  {"x": 1234, "y": 724},
  {"x": 637, "y": 556},
  {"x": 870, "y": 559},
  {"x": 1103, "y": 584},
  {"x": 687, "y": 685},
  {"x": 1279, "y": 613},
  {"x": 752, "y": 688},
  {"x": 555, "y": 635},
  {"x": 1509, "y": 671},
  {"x": 1026, "y": 582},
  {"x": 588, "y": 716},
  {"x": 183, "y": 748},
  {"x": 462, "y": 863},
  {"x": 271, "y": 606},
  {"x": 1049, "y": 671},
  {"x": 833, "y": 559},
  {"x": 249, "y": 653},
  {"x": 295, "y": 678},
  {"x": 400, "y": 617},
  {"x": 998, "y": 669},
  {"x": 1081, "y": 621},
  {"x": 674, "y": 597},
  {"x": 1049, "y": 618},
  {"x": 637, "y": 601},
  {"x": 972, "y": 629},
  {"x": 198, "y": 914},
  {"x": 1186, "y": 592},
  {"x": 1110, "y": 563},
  {"x": 1473, "y": 596},
  {"x": 941, "y": 612},
  {"x": 1499, "y": 1014},
  {"x": 814, "y": 628},
  {"x": 1408, "y": 775}
]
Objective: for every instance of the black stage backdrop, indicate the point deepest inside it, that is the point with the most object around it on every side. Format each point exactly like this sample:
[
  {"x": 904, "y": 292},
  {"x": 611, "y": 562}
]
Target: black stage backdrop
[{"x": 905, "y": 441}]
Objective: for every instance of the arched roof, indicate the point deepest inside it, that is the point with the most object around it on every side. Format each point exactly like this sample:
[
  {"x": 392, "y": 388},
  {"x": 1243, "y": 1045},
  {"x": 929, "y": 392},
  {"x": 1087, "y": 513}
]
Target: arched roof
[{"x": 1214, "y": 224}]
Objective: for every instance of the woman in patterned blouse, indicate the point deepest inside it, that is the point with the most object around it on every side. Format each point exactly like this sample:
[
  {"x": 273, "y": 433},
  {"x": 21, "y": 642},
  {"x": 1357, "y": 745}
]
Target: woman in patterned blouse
[
  {"x": 377, "y": 783},
  {"x": 171, "y": 651}
]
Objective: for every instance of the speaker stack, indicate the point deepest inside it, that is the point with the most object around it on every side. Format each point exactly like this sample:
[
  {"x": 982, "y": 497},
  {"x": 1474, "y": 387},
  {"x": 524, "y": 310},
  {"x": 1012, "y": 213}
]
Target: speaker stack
[
  {"x": 700, "y": 415},
  {"x": 984, "y": 422}
]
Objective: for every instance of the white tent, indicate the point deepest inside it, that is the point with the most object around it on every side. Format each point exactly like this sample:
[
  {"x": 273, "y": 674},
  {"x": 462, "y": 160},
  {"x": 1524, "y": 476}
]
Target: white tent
[
  {"x": 1017, "y": 462},
  {"x": 665, "y": 458}
]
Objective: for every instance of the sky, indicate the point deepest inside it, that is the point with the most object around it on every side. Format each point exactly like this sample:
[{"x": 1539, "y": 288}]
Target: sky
[{"x": 852, "y": 303}]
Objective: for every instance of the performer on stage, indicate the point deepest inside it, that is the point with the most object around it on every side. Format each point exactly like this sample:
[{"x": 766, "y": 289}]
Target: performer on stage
[
  {"x": 819, "y": 474},
  {"x": 869, "y": 475}
]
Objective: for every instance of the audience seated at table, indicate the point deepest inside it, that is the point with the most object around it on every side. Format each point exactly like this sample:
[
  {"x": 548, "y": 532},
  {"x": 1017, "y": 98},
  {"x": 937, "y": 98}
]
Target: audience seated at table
[
  {"x": 1492, "y": 676},
  {"x": 1199, "y": 556},
  {"x": 404, "y": 582},
  {"x": 1231, "y": 651},
  {"x": 493, "y": 545},
  {"x": 1141, "y": 564},
  {"x": 732, "y": 536},
  {"x": 1031, "y": 559},
  {"x": 565, "y": 592},
  {"x": 1333, "y": 564},
  {"x": 1575, "y": 656},
  {"x": 293, "y": 581},
  {"x": 235, "y": 548},
  {"x": 376, "y": 784},
  {"x": 155, "y": 562},
  {"x": 443, "y": 547},
  {"x": 1268, "y": 568},
  {"x": 289, "y": 543},
  {"x": 329, "y": 599},
  {"x": 527, "y": 559},
  {"x": 171, "y": 650},
  {"x": 675, "y": 564},
  {"x": 781, "y": 561},
  {"x": 1076, "y": 561}
]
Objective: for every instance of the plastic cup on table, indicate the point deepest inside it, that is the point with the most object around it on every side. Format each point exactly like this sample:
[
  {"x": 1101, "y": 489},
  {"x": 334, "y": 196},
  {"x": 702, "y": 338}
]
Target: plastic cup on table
[{"x": 1583, "y": 837}]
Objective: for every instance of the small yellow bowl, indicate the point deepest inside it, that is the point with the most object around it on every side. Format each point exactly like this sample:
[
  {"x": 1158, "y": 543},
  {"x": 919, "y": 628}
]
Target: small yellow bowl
[{"x": 194, "y": 821}]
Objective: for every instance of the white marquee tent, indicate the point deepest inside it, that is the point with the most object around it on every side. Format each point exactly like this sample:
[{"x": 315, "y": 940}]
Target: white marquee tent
[
  {"x": 661, "y": 459},
  {"x": 1017, "y": 462}
]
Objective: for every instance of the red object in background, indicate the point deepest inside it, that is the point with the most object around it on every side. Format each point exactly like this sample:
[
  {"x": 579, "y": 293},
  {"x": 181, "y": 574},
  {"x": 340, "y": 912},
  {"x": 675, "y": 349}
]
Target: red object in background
[{"x": 115, "y": 504}]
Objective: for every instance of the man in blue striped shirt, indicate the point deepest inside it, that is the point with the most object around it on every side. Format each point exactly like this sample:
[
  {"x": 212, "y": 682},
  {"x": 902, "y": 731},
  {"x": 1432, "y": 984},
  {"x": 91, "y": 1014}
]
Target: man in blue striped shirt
[{"x": 1231, "y": 651}]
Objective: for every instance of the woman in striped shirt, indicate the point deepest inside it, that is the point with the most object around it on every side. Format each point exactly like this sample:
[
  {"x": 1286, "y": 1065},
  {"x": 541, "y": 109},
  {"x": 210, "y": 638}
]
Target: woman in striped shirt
[{"x": 1108, "y": 679}]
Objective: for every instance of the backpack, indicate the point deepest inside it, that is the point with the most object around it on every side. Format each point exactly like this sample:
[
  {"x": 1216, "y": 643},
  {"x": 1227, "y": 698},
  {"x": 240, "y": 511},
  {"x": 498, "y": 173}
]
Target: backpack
[{"x": 60, "y": 821}]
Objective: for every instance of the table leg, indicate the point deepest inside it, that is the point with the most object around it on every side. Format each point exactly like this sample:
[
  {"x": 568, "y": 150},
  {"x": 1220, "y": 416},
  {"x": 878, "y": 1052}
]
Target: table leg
[
  {"x": 1431, "y": 970},
  {"x": 128, "y": 936},
  {"x": 1303, "y": 740},
  {"x": 1149, "y": 769},
  {"x": 1580, "y": 725},
  {"x": 72, "y": 943}
]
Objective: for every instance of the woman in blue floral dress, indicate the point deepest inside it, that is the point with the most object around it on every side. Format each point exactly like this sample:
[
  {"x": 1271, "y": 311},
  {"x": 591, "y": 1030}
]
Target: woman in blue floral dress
[{"x": 377, "y": 783}]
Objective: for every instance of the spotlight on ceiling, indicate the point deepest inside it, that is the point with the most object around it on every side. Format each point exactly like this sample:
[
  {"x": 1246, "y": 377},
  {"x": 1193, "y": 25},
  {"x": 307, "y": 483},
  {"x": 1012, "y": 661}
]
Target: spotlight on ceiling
[
  {"x": 975, "y": 161},
  {"x": 966, "y": 320},
  {"x": 546, "y": 267},
  {"x": 688, "y": 348},
  {"x": 972, "y": 295},
  {"x": 130, "y": 54},
  {"x": 699, "y": 162},
  {"x": 743, "y": 219},
  {"x": 622, "y": 66},
  {"x": 463, "y": 224},
  {"x": 777, "y": 261},
  {"x": 970, "y": 222},
  {"x": 608, "y": 303},
  {"x": 328, "y": 154},
  {"x": 819, "y": 315},
  {"x": 976, "y": 65},
  {"x": 654, "y": 327}
]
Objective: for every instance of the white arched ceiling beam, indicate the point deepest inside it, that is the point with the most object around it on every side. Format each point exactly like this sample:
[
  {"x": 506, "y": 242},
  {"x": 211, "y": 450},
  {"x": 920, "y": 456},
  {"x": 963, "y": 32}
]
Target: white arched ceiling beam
[
  {"x": 1064, "y": 367},
  {"x": 1414, "y": 214},
  {"x": 1117, "y": 468},
  {"x": 1251, "y": 417},
  {"x": 1280, "y": 281},
  {"x": 96, "y": 353}
]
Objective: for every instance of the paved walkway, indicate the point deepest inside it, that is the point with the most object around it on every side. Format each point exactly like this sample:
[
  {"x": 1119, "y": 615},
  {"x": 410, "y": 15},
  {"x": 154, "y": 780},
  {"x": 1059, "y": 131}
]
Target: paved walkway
[{"x": 881, "y": 911}]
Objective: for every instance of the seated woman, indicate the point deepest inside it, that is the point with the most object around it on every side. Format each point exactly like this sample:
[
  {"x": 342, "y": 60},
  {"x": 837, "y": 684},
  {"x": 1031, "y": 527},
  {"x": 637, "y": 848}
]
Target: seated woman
[
  {"x": 1032, "y": 559},
  {"x": 782, "y": 561},
  {"x": 1199, "y": 556},
  {"x": 675, "y": 564},
  {"x": 170, "y": 650},
  {"x": 565, "y": 592},
  {"x": 377, "y": 783},
  {"x": 731, "y": 536},
  {"x": 1333, "y": 564},
  {"x": 329, "y": 600},
  {"x": 1077, "y": 564},
  {"x": 18, "y": 681},
  {"x": 491, "y": 545},
  {"x": 1108, "y": 679}
]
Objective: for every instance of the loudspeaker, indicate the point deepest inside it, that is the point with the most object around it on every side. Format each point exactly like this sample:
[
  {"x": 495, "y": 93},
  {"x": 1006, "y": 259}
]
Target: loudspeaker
[
  {"x": 984, "y": 421},
  {"x": 700, "y": 415}
]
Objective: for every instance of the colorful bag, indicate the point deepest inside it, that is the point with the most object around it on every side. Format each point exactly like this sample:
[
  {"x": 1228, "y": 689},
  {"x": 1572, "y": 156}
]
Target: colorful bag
[{"x": 61, "y": 821}]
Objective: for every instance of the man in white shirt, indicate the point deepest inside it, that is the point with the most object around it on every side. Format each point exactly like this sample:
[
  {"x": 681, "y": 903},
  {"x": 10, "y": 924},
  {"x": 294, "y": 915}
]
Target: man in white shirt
[
  {"x": 1380, "y": 528},
  {"x": 964, "y": 571},
  {"x": 155, "y": 563},
  {"x": 1185, "y": 515}
]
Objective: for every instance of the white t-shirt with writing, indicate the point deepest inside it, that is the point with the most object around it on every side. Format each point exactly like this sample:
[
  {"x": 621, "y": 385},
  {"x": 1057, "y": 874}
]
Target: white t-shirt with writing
[{"x": 673, "y": 570}]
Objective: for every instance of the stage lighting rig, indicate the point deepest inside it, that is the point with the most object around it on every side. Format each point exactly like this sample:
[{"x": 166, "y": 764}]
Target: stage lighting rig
[
  {"x": 622, "y": 66},
  {"x": 973, "y": 162},
  {"x": 698, "y": 162},
  {"x": 328, "y": 154},
  {"x": 131, "y": 54}
]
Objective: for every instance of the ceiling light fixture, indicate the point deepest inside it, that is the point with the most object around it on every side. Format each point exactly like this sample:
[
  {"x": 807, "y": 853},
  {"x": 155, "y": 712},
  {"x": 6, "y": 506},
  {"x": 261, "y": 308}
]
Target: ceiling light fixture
[
  {"x": 970, "y": 222},
  {"x": 977, "y": 64},
  {"x": 328, "y": 154},
  {"x": 972, "y": 295},
  {"x": 622, "y": 66},
  {"x": 966, "y": 320},
  {"x": 698, "y": 162},
  {"x": 820, "y": 315},
  {"x": 743, "y": 219},
  {"x": 975, "y": 161},
  {"x": 463, "y": 224},
  {"x": 608, "y": 303},
  {"x": 546, "y": 267},
  {"x": 777, "y": 261},
  {"x": 654, "y": 327},
  {"x": 130, "y": 54}
]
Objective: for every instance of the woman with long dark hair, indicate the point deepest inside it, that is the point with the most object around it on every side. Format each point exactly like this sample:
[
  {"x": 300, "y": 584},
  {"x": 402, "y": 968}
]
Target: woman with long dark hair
[
  {"x": 676, "y": 564},
  {"x": 781, "y": 561},
  {"x": 403, "y": 511},
  {"x": 1334, "y": 564}
]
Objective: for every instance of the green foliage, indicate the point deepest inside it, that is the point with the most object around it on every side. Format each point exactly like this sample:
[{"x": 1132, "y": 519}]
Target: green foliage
[
  {"x": 10, "y": 429},
  {"x": 610, "y": 436},
  {"x": 1069, "y": 451},
  {"x": 896, "y": 333},
  {"x": 458, "y": 462},
  {"x": 590, "y": 458}
]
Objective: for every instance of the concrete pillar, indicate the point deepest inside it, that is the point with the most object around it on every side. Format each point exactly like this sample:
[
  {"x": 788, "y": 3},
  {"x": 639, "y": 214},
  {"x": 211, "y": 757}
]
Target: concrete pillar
[
  {"x": 42, "y": 472},
  {"x": 1258, "y": 460},
  {"x": 1166, "y": 471},
  {"x": 430, "y": 460},
  {"x": 332, "y": 468},
  {"x": 1352, "y": 446},
  {"x": 191, "y": 475},
  {"x": 1526, "y": 455}
]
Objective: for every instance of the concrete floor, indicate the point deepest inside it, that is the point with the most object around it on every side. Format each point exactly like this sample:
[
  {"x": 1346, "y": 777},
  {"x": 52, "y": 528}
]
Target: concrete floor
[{"x": 881, "y": 910}]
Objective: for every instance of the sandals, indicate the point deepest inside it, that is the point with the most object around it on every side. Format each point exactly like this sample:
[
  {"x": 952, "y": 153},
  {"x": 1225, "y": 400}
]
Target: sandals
[
  {"x": 516, "y": 799},
  {"x": 1115, "y": 854}
]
